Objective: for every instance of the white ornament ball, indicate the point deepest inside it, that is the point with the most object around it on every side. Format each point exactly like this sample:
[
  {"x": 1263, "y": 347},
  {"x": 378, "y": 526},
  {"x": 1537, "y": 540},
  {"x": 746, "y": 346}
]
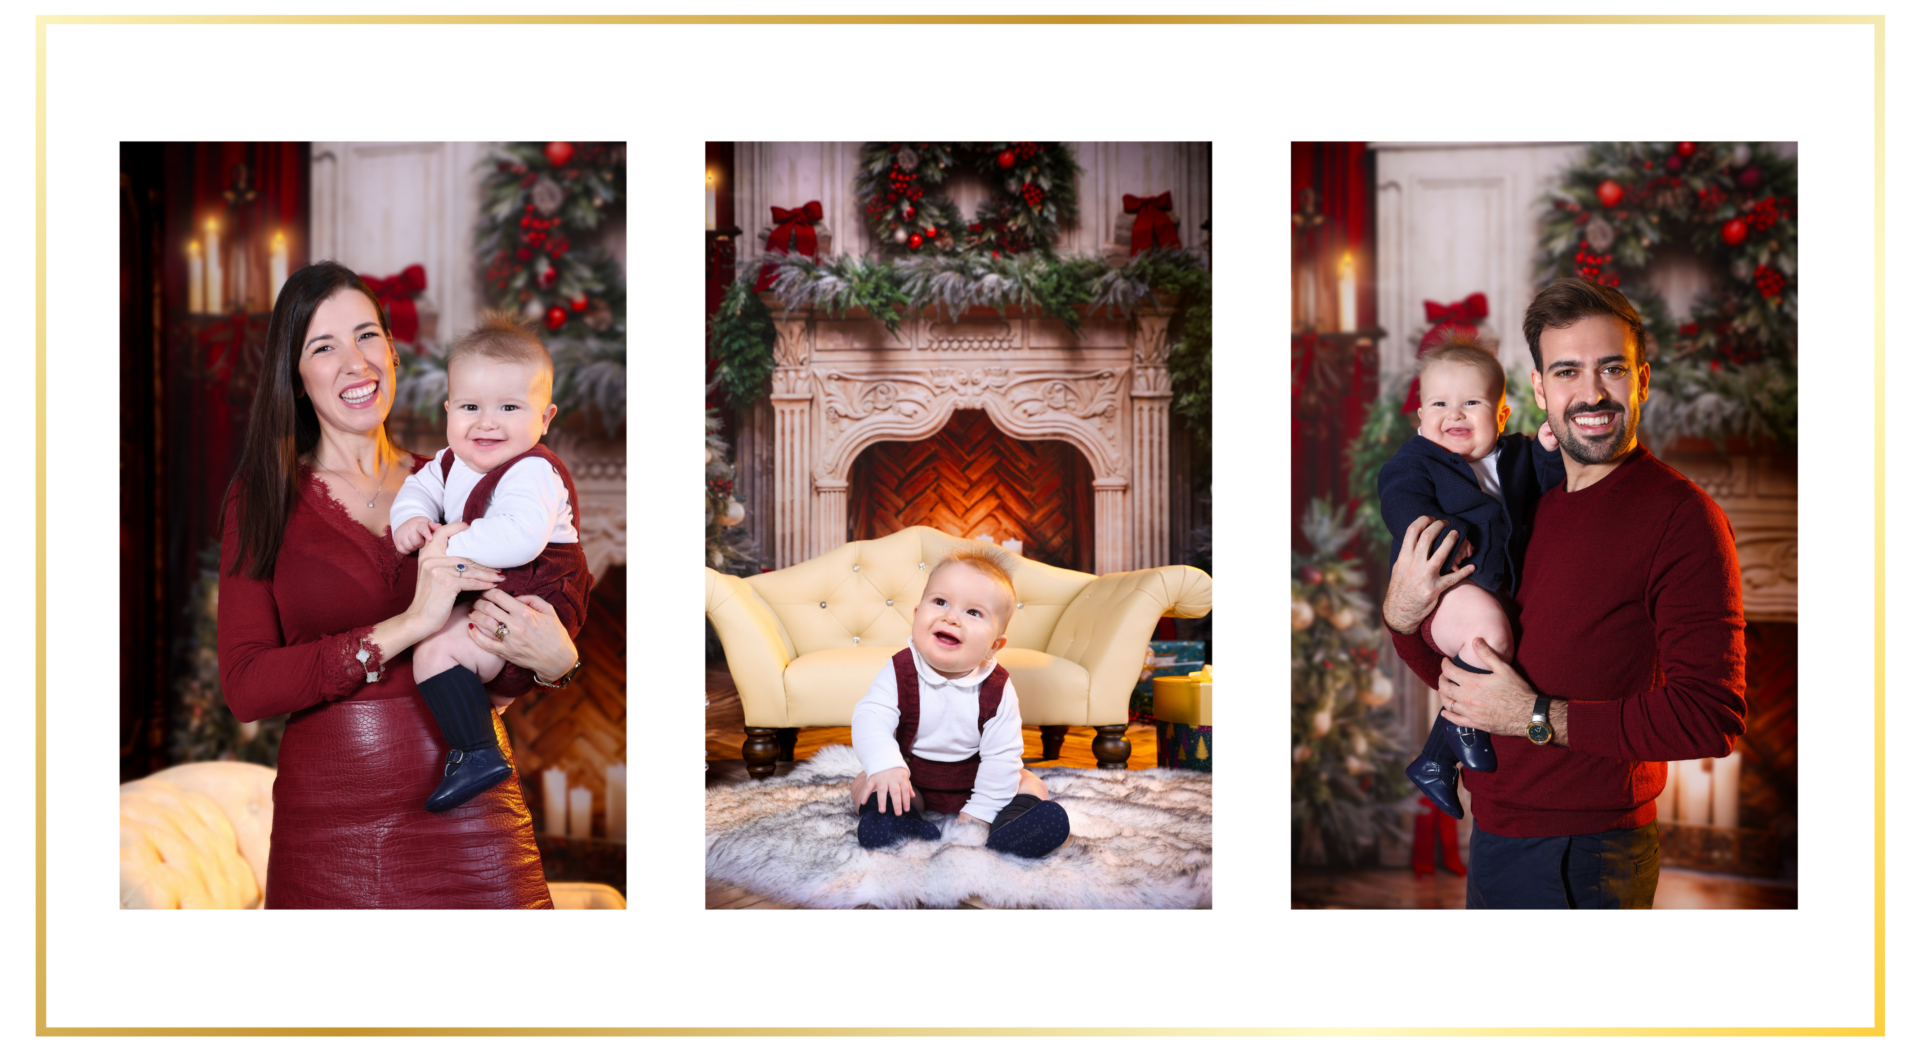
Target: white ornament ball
[
  {"x": 1302, "y": 614},
  {"x": 1342, "y": 619},
  {"x": 1379, "y": 691},
  {"x": 1322, "y": 722},
  {"x": 1302, "y": 753},
  {"x": 734, "y": 514},
  {"x": 900, "y": 235}
]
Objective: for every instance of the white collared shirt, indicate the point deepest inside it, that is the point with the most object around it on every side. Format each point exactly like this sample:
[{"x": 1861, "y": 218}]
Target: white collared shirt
[
  {"x": 528, "y": 511},
  {"x": 949, "y": 730}
]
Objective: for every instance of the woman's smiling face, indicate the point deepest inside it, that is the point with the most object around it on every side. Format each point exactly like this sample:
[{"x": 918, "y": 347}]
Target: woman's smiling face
[
  {"x": 960, "y": 620},
  {"x": 346, "y": 364}
]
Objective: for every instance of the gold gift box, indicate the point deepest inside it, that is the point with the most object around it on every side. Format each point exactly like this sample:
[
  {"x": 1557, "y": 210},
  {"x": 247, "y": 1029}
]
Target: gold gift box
[{"x": 1183, "y": 701}]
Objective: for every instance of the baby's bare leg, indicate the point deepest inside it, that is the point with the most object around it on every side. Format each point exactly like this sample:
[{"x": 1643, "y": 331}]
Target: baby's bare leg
[
  {"x": 1030, "y": 784},
  {"x": 1466, "y": 612},
  {"x": 449, "y": 646}
]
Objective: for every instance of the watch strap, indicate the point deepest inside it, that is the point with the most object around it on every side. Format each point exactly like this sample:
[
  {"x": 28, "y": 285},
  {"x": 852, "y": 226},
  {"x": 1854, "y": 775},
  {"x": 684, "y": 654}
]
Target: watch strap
[{"x": 1542, "y": 707}]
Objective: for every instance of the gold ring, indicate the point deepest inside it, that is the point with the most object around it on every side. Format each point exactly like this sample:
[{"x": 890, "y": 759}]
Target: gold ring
[{"x": 500, "y": 632}]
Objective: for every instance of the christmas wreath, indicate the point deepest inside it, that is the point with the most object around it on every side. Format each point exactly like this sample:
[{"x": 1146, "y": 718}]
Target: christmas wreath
[
  {"x": 1730, "y": 367},
  {"x": 1034, "y": 196}
]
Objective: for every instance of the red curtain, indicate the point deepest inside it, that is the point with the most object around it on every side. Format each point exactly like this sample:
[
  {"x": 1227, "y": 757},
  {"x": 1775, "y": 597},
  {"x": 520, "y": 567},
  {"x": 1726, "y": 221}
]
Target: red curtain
[
  {"x": 717, "y": 158},
  {"x": 1341, "y": 178}
]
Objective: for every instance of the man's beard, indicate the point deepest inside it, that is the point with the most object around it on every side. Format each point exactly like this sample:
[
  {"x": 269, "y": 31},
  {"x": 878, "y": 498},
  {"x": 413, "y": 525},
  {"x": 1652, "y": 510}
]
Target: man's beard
[{"x": 1600, "y": 449}]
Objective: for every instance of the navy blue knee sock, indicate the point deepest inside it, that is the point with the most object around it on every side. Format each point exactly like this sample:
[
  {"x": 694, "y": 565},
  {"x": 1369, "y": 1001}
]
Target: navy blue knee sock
[{"x": 461, "y": 708}]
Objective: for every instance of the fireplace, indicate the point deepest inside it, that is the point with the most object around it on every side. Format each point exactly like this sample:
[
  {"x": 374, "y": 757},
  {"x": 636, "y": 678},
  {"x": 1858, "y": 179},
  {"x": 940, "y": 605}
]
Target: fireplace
[{"x": 1024, "y": 382}]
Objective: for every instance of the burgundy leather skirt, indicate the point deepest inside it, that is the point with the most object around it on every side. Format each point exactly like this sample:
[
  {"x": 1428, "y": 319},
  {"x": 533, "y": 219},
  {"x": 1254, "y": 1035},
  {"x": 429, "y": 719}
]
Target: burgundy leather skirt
[{"x": 349, "y": 829}]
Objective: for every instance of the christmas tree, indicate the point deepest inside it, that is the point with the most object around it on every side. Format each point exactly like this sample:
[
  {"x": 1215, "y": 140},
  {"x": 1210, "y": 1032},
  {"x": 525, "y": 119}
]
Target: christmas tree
[
  {"x": 1347, "y": 754},
  {"x": 724, "y": 544}
]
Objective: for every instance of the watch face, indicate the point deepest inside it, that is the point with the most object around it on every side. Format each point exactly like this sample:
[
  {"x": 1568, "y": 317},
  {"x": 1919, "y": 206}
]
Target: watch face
[{"x": 1539, "y": 733}]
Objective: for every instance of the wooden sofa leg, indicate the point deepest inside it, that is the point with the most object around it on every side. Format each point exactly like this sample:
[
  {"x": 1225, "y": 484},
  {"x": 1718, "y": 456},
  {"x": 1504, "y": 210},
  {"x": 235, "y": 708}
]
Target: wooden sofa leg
[
  {"x": 1110, "y": 746},
  {"x": 1051, "y": 738},
  {"x": 787, "y": 737},
  {"x": 761, "y": 751}
]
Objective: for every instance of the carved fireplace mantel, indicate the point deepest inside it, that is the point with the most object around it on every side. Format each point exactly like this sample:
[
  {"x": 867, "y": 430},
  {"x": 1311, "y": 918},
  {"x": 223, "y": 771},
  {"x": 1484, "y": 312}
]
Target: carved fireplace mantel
[{"x": 841, "y": 384}]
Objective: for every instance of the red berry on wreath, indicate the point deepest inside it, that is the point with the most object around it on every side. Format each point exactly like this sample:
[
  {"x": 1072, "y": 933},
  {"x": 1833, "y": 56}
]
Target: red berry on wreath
[
  {"x": 1750, "y": 177},
  {"x": 1674, "y": 162},
  {"x": 578, "y": 304},
  {"x": 548, "y": 276},
  {"x": 559, "y": 153},
  {"x": 913, "y": 241},
  {"x": 1609, "y": 193},
  {"x": 523, "y": 253},
  {"x": 1684, "y": 149},
  {"x": 1006, "y": 159},
  {"x": 556, "y": 317},
  {"x": 1734, "y": 231}
]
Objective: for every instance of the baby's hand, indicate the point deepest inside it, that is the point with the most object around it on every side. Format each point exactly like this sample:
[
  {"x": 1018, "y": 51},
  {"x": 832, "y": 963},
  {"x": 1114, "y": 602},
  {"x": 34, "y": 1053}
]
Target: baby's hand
[
  {"x": 891, "y": 785},
  {"x": 1546, "y": 436},
  {"x": 412, "y": 534}
]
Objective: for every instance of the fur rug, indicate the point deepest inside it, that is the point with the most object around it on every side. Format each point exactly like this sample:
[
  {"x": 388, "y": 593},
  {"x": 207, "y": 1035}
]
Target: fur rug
[{"x": 1141, "y": 839}]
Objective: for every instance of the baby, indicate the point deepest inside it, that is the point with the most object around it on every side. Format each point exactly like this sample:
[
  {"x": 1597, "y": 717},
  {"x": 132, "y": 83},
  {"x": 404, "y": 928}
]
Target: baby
[
  {"x": 941, "y": 723},
  {"x": 517, "y": 503},
  {"x": 1485, "y": 485}
]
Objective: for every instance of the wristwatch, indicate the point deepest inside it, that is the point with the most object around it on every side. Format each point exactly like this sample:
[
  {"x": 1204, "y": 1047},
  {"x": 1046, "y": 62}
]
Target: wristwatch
[{"x": 1539, "y": 730}]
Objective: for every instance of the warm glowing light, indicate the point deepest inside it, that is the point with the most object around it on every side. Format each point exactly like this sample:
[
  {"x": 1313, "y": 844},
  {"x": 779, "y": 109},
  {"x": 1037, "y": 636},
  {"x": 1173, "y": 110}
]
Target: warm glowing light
[
  {"x": 1349, "y": 295},
  {"x": 1346, "y": 265}
]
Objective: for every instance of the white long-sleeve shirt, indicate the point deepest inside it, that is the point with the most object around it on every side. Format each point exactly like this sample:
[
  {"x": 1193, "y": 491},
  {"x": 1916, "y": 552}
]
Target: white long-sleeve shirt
[
  {"x": 949, "y": 731},
  {"x": 529, "y": 509}
]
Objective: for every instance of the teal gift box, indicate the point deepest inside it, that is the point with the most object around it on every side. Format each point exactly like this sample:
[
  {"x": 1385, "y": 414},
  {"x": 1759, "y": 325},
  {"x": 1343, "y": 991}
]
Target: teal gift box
[
  {"x": 1184, "y": 746},
  {"x": 1187, "y": 655}
]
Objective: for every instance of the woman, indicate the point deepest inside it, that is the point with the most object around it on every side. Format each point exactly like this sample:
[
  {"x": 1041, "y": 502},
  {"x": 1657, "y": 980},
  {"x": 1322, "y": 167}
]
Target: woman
[{"x": 317, "y": 611}]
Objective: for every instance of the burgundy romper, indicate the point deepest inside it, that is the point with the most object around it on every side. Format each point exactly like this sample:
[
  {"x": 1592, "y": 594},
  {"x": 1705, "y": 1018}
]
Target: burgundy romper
[{"x": 944, "y": 786}]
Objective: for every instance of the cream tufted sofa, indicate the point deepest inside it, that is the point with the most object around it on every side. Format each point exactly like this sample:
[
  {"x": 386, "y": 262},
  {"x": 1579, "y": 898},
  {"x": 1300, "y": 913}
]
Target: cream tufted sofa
[
  {"x": 196, "y": 836},
  {"x": 804, "y": 642}
]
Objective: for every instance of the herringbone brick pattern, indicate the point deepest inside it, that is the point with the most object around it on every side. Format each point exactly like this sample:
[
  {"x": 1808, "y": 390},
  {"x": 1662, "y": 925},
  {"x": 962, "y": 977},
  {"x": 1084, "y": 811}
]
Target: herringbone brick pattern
[{"x": 970, "y": 479}]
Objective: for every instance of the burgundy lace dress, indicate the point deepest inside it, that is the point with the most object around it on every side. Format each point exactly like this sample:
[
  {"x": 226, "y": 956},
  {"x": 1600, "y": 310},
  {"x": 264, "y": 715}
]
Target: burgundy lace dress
[{"x": 358, "y": 759}]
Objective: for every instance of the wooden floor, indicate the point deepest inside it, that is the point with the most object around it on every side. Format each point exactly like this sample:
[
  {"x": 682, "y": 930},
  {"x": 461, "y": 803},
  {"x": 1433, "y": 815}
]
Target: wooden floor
[
  {"x": 1382, "y": 888},
  {"x": 726, "y": 733}
]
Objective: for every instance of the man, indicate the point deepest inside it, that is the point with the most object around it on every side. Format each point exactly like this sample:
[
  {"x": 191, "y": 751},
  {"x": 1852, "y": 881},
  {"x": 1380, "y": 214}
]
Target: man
[{"x": 1631, "y": 648}]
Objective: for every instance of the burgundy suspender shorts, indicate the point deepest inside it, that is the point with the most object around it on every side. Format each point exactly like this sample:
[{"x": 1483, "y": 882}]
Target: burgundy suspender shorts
[{"x": 944, "y": 786}]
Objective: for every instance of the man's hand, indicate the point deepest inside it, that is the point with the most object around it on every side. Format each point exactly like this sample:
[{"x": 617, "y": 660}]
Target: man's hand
[
  {"x": 1500, "y": 702},
  {"x": 891, "y": 785},
  {"x": 1546, "y": 436},
  {"x": 1415, "y": 587},
  {"x": 412, "y": 534}
]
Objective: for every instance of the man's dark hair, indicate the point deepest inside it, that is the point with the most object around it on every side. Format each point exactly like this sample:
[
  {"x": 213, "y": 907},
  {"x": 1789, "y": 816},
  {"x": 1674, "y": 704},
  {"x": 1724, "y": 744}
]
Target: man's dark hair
[{"x": 1568, "y": 300}]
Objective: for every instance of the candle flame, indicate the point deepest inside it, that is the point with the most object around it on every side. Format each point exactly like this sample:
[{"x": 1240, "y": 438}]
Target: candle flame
[
  {"x": 1346, "y": 265},
  {"x": 212, "y": 225},
  {"x": 279, "y": 240},
  {"x": 193, "y": 248},
  {"x": 710, "y": 179}
]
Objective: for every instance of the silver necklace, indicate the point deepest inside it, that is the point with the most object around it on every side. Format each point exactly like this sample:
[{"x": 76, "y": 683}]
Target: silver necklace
[{"x": 357, "y": 490}]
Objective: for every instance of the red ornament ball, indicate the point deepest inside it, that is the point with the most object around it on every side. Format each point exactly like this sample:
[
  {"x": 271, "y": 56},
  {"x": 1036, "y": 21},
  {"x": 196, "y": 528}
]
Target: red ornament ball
[
  {"x": 1311, "y": 575},
  {"x": 548, "y": 276},
  {"x": 1750, "y": 177},
  {"x": 913, "y": 241},
  {"x": 1734, "y": 231},
  {"x": 1609, "y": 193},
  {"x": 579, "y": 304},
  {"x": 1006, "y": 159},
  {"x": 1684, "y": 149},
  {"x": 559, "y": 153},
  {"x": 556, "y": 317},
  {"x": 1674, "y": 162},
  {"x": 906, "y": 211}
]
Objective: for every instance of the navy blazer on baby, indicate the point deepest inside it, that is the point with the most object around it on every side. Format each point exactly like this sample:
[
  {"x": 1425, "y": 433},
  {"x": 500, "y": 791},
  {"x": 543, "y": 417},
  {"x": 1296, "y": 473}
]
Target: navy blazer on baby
[{"x": 1425, "y": 479}]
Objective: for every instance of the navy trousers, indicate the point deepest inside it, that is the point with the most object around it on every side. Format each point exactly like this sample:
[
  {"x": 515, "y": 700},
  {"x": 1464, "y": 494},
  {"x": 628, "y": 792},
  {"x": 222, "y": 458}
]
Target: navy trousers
[{"x": 1612, "y": 869}]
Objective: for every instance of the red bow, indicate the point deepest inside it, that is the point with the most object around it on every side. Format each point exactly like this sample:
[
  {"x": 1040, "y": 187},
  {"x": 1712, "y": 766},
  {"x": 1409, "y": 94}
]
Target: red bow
[
  {"x": 791, "y": 227},
  {"x": 396, "y": 293},
  {"x": 1152, "y": 227},
  {"x": 1458, "y": 317}
]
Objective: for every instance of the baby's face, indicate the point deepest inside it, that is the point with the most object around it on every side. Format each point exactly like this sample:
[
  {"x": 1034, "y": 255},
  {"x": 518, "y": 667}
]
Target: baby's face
[
  {"x": 960, "y": 620},
  {"x": 1458, "y": 411},
  {"x": 496, "y": 410}
]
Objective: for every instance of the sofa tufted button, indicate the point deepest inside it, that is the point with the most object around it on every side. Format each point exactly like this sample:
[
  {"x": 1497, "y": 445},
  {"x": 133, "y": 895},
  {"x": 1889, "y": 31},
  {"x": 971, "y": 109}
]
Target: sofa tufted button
[
  {"x": 856, "y": 640},
  {"x": 889, "y": 603},
  {"x": 856, "y": 567},
  {"x": 823, "y": 603},
  {"x": 1019, "y": 604},
  {"x": 923, "y": 565}
]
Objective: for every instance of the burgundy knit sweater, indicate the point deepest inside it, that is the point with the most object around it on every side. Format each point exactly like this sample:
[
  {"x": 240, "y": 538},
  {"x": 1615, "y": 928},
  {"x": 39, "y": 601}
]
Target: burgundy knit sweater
[{"x": 1629, "y": 609}]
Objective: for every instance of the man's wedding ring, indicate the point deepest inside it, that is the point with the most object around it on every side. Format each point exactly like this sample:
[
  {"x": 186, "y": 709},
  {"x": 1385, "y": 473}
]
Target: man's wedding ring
[{"x": 500, "y": 632}]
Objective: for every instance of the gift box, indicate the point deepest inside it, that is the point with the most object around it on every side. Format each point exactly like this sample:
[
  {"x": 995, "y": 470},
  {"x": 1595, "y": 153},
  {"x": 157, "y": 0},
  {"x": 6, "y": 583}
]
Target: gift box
[
  {"x": 1183, "y": 721},
  {"x": 1164, "y": 658}
]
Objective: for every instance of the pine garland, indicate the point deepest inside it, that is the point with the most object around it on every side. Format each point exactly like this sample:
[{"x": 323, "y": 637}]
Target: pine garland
[
  {"x": 1035, "y": 195},
  {"x": 741, "y": 332}
]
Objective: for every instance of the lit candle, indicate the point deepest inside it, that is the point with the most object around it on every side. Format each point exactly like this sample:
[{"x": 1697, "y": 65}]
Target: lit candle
[
  {"x": 579, "y": 813},
  {"x": 713, "y": 202},
  {"x": 1696, "y": 792},
  {"x": 196, "y": 280},
  {"x": 214, "y": 271},
  {"x": 617, "y": 802},
  {"x": 1349, "y": 296},
  {"x": 553, "y": 793},
  {"x": 1663, "y": 805},
  {"x": 276, "y": 269},
  {"x": 1726, "y": 791}
]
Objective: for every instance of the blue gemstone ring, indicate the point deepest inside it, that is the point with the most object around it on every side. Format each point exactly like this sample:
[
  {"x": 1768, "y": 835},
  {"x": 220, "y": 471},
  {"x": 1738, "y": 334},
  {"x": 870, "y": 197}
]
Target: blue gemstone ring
[{"x": 460, "y": 567}]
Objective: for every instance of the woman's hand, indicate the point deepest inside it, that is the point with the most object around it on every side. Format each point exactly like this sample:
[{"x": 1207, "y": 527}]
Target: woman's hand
[
  {"x": 535, "y": 638},
  {"x": 1415, "y": 587},
  {"x": 443, "y": 578}
]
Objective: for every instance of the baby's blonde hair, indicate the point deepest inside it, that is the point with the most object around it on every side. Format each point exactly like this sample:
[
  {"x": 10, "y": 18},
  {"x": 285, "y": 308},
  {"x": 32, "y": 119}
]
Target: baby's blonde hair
[
  {"x": 1468, "y": 350},
  {"x": 504, "y": 338},
  {"x": 984, "y": 560}
]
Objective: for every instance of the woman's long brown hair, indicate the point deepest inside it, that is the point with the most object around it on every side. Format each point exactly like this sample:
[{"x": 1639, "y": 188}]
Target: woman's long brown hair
[{"x": 282, "y": 425}]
